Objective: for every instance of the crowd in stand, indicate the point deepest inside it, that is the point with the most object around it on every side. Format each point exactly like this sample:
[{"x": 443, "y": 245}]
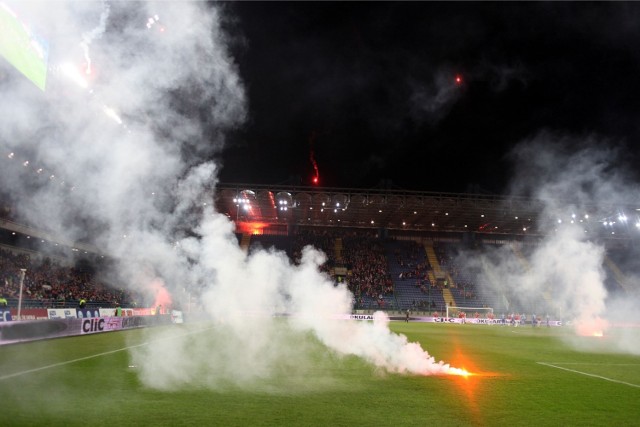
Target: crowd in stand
[
  {"x": 52, "y": 284},
  {"x": 415, "y": 266},
  {"x": 364, "y": 256},
  {"x": 320, "y": 239},
  {"x": 466, "y": 288}
]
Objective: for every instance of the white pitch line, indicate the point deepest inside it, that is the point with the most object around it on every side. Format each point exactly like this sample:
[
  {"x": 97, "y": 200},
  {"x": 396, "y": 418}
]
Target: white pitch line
[
  {"x": 42, "y": 368},
  {"x": 589, "y": 375},
  {"x": 68, "y": 362}
]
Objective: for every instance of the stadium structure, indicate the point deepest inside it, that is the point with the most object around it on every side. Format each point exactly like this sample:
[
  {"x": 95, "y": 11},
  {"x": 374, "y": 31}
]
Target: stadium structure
[{"x": 432, "y": 219}]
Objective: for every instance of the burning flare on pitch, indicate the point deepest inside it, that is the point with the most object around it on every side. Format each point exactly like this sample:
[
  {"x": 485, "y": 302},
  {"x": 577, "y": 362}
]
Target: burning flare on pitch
[
  {"x": 591, "y": 327},
  {"x": 459, "y": 372}
]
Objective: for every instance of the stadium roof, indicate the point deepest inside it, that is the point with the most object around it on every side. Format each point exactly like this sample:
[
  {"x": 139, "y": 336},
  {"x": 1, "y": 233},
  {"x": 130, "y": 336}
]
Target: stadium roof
[
  {"x": 377, "y": 208},
  {"x": 421, "y": 211}
]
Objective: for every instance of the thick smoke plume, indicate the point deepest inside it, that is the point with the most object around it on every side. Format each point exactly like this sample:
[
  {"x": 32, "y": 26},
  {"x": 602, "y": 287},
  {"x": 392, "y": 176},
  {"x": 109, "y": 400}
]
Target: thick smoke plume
[
  {"x": 585, "y": 194},
  {"x": 120, "y": 160}
]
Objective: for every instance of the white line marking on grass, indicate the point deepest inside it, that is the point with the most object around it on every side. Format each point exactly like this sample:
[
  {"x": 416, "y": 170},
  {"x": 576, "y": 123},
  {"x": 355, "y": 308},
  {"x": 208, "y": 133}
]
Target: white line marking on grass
[
  {"x": 42, "y": 368},
  {"x": 68, "y": 362},
  {"x": 589, "y": 375}
]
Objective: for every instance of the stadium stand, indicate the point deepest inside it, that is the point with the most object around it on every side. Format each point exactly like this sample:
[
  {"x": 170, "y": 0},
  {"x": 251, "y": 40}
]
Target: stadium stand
[
  {"x": 390, "y": 271},
  {"x": 48, "y": 284},
  {"x": 409, "y": 268}
]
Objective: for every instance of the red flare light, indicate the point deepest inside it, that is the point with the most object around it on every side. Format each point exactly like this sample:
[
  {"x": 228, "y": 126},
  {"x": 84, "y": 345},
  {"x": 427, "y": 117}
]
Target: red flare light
[
  {"x": 593, "y": 327},
  {"x": 458, "y": 79}
]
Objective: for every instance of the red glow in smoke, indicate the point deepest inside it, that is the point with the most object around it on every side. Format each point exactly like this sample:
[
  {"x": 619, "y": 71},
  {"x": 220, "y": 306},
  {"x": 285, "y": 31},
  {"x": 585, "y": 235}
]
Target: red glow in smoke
[
  {"x": 458, "y": 79},
  {"x": 591, "y": 327},
  {"x": 162, "y": 296}
]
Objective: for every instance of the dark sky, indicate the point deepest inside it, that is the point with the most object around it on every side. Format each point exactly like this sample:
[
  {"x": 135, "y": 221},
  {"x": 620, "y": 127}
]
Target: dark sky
[{"x": 369, "y": 88}]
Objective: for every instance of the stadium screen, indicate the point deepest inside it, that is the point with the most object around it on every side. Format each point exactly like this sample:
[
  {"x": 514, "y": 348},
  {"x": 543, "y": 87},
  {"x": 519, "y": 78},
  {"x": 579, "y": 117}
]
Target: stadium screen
[{"x": 22, "y": 47}]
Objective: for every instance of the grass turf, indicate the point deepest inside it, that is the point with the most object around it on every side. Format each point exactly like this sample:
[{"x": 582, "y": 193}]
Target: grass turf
[{"x": 511, "y": 388}]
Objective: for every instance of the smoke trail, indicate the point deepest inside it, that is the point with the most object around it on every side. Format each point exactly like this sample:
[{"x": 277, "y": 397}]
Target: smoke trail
[
  {"x": 433, "y": 100},
  {"x": 141, "y": 189},
  {"x": 312, "y": 157},
  {"x": 88, "y": 37}
]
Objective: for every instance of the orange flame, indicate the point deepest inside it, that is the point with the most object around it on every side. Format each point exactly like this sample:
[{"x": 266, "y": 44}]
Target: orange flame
[{"x": 460, "y": 372}]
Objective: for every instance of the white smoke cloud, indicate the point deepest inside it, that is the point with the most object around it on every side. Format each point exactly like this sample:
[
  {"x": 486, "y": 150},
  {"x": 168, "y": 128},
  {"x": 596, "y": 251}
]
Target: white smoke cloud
[
  {"x": 130, "y": 152},
  {"x": 581, "y": 183}
]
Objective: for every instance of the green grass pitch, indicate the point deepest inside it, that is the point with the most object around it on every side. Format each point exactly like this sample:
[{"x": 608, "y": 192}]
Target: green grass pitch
[{"x": 525, "y": 377}]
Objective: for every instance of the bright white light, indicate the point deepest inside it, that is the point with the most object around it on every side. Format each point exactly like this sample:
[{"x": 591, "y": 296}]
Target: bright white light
[
  {"x": 110, "y": 112},
  {"x": 622, "y": 218},
  {"x": 586, "y": 216},
  {"x": 73, "y": 74},
  {"x": 559, "y": 221}
]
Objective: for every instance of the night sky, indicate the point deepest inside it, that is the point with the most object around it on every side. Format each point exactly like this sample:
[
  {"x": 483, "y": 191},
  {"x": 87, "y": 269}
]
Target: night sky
[{"x": 368, "y": 89}]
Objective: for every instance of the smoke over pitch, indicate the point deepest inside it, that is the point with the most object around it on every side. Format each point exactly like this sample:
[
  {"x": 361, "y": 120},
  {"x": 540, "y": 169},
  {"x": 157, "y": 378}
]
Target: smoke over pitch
[
  {"x": 586, "y": 194},
  {"x": 118, "y": 153}
]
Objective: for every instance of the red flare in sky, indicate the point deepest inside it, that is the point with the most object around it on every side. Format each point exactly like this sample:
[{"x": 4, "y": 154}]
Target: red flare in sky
[{"x": 312, "y": 157}]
